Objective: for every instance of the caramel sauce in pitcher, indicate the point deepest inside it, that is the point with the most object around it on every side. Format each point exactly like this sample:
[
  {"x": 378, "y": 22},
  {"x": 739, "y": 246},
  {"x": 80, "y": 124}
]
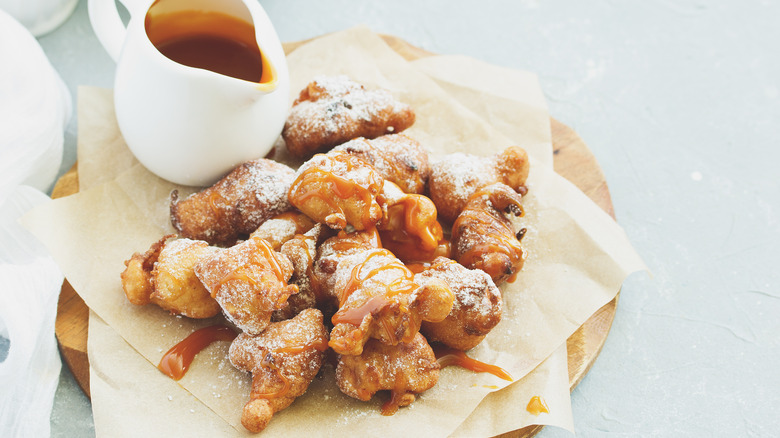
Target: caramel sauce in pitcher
[{"x": 209, "y": 40}]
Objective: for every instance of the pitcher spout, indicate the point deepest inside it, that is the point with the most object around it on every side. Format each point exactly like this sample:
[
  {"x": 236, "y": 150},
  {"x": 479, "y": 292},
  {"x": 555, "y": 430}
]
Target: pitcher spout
[
  {"x": 269, "y": 78},
  {"x": 223, "y": 37}
]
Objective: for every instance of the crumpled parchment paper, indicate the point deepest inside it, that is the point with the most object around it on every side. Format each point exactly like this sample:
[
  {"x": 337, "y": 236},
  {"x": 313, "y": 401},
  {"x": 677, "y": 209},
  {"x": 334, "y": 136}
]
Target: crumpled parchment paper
[{"x": 578, "y": 257}]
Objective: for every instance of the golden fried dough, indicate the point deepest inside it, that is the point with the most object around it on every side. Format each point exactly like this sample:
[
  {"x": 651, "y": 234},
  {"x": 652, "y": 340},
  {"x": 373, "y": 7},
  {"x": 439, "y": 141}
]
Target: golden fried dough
[
  {"x": 455, "y": 177},
  {"x": 378, "y": 298},
  {"x": 236, "y": 205},
  {"x": 338, "y": 189},
  {"x": 476, "y": 310},
  {"x": 176, "y": 287},
  {"x": 409, "y": 225},
  {"x": 334, "y": 109},
  {"x": 249, "y": 281},
  {"x": 283, "y": 227},
  {"x": 137, "y": 276},
  {"x": 482, "y": 236},
  {"x": 283, "y": 360},
  {"x": 359, "y": 234},
  {"x": 397, "y": 157},
  {"x": 329, "y": 255},
  {"x": 406, "y": 369},
  {"x": 302, "y": 251},
  {"x": 164, "y": 276}
]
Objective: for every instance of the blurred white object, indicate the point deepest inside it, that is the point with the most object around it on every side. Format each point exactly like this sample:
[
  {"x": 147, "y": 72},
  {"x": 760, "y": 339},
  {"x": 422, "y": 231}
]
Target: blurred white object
[
  {"x": 39, "y": 16},
  {"x": 35, "y": 106},
  {"x": 30, "y": 282}
]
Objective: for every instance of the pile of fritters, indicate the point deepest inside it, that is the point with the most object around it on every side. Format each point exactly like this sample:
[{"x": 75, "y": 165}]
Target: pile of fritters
[{"x": 367, "y": 249}]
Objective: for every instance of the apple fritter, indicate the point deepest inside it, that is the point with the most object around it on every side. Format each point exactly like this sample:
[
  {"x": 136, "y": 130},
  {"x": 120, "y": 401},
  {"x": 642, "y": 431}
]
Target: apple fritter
[
  {"x": 164, "y": 275},
  {"x": 329, "y": 255},
  {"x": 334, "y": 109},
  {"x": 137, "y": 276},
  {"x": 236, "y": 205},
  {"x": 249, "y": 281},
  {"x": 283, "y": 227},
  {"x": 338, "y": 189},
  {"x": 405, "y": 369},
  {"x": 378, "y": 298},
  {"x": 397, "y": 157},
  {"x": 483, "y": 237},
  {"x": 455, "y": 177},
  {"x": 476, "y": 310},
  {"x": 283, "y": 360},
  {"x": 302, "y": 252},
  {"x": 409, "y": 225}
]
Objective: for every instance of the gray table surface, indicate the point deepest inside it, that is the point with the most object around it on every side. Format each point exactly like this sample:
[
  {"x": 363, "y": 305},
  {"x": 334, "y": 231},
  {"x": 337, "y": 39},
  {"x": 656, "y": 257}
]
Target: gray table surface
[{"x": 680, "y": 103}]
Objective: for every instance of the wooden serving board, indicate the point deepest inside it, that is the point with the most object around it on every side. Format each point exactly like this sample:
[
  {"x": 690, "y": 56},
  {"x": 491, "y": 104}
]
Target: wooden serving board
[{"x": 572, "y": 159}]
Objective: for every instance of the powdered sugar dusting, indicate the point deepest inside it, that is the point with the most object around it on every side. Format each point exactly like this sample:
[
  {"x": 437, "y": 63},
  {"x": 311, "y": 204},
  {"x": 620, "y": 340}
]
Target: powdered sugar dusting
[
  {"x": 335, "y": 109},
  {"x": 339, "y": 164},
  {"x": 296, "y": 346},
  {"x": 397, "y": 157},
  {"x": 276, "y": 231},
  {"x": 285, "y": 334},
  {"x": 461, "y": 173},
  {"x": 337, "y": 101},
  {"x": 237, "y": 204},
  {"x": 379, "y": 268},
  {"x": 405, "y": 368},
  {"x": 269, "y": 188},
  {"x": 473, "y": 288}
]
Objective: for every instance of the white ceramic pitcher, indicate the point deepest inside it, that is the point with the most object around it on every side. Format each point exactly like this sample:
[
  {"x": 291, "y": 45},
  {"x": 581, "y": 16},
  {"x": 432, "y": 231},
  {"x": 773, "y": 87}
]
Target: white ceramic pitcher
[{"x": 192, "y": 125}]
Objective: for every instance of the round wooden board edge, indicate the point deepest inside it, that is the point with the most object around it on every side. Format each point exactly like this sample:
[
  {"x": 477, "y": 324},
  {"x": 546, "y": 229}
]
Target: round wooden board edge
[{"x": 571, "y": 156}]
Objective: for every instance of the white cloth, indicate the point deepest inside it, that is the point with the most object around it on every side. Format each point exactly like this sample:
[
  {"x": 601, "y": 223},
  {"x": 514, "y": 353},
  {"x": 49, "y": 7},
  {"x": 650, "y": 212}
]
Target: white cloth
[
  {"x": 29, "y": 286},
  {"x": 34, "y": 108}
]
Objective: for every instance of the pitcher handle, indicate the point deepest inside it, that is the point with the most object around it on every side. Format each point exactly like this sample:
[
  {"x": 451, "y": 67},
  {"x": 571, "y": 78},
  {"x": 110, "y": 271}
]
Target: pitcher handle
[{"x": 108, "y": 25}]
